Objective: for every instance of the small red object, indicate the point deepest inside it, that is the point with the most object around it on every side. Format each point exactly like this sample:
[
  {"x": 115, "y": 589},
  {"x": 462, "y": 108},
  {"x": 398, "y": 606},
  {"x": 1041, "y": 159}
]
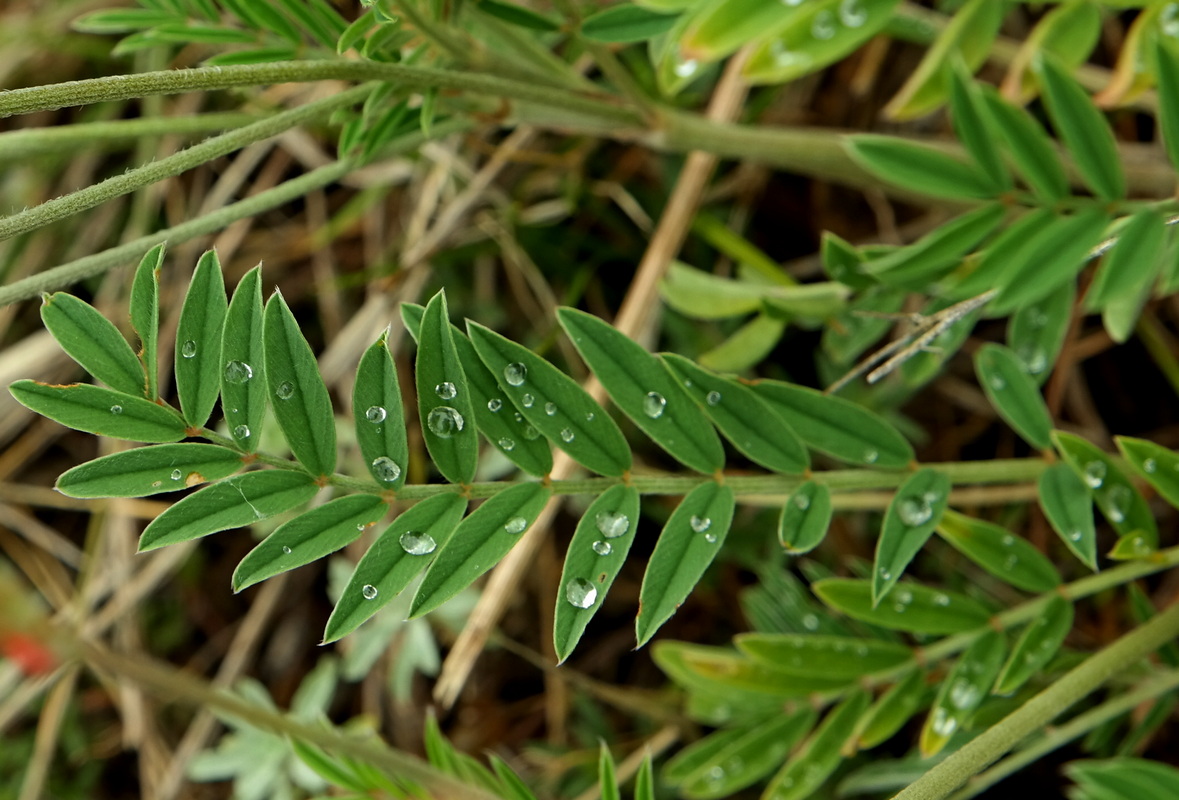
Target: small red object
[{"x": 31, "y": 655}]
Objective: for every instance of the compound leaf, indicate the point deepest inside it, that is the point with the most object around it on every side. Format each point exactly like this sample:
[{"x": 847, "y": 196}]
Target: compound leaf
[
  {"x": 198, "y": 341},
  {"x": 145, "y": 315},
  {"x": 95, "y": 409},
  {"x": 913, "y": 608},
  {"x": 145, "y": 471},
  {"x": 1008, "y": 557},
  {"x": 379, "y": 416},
  {"x": 444, "y": 401},
  {"x": 1013, "y": 393},
  {"x": 913, "y": 513},
  {"x": 94, "y": 342},
  {"x": 1038, "y": 643},
  {"x": 242, "y": 366},
  {"x": 806, "y": 515}
]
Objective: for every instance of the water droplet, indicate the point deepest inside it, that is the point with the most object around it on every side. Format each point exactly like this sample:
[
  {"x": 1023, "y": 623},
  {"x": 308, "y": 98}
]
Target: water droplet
[
  {"x": 940, "y": 599},
  {"x": 914, "y": 512},
  {"x": 516, "y": 525},
  {"x": 580, "y": 593},
  {"x": 810, "y": 622},
  {"x": 1008, "y": 540},
  {"x": 494, "y": 404},
  {"x": 1169, "y": 19},
  {"x": 515, "y": 374},
  {"x": 823, "y": 27},
  {"x": 286, "y": 550},
  {"x": 997, "y": 383},
  {"x": 1095, "y": 474},
  {"x": 444, "y": 422},
  {"x": 802, "y": 502},
  {"x": 686, "y": 69},
  {"x": 942, "y": 723},
  {"x": 116, "y": 409},
  {"x": 527, "y": 400},
  {"x": 900, "y": 608},
  {"x": 176, "y": 475},
  {"x": 712, "y": 398},
  {"x": 870, "y": 456},
  {"x": 589, "y": 416},
  {"x": 369, "y": 591},
  {"x": 567, "y": 435},
  {"x": 519, "y": 417},
  {"x": 1118, "y": 501},
  {"x": 653, "y": 405},
  {"x": 375, "y": 414},
  {"x": 1011, "y": 562},
  {"x": 710, "y": 537},
  {"x": 445, "y": 390},
  {"x": 285, "y": 390},
  {"x": 530, "y": 433},
  {"x": 612, "y": 524},
  {"x": 602, "y": 548},
  {"x": 417, "y": 544},
  {"x": 550, "y": 408},
  {"x": 904, "y": 597},
  {"x": 241, "y": 432},
  {"x": 1149, "y": 465},
  {"x": 386, "y": 469},
  {"x": 1075, "y": 536},
  {"x": 700, "y": 524},
  {"x": 238, "y": 372},
  {"x": 852, "y": 13},
  {"x": 506, "y": 444},
  {"x": 1035, "y": 361},
  {"x": 885, "y": 574},
  {"x": 188, "y": 349}
]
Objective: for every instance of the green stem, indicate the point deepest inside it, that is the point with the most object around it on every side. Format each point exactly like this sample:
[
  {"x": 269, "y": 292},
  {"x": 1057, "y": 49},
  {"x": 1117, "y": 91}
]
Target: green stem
[
  {"x": 212, "y": 222},
  {"x": 1035, "y": 714},
  {"x": 26, "y": 142},
  {"x": 1151, "y": 334},
  {"x": 176, "y": 164}
]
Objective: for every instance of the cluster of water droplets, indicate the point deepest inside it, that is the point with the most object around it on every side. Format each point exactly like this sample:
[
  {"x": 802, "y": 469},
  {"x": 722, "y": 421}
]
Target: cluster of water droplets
[{"x": 702, "y": 525}]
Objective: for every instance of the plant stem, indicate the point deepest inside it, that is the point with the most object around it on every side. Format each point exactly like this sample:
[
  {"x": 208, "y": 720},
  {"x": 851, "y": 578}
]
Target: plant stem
[
  {"x": 1036, "y": 713},
  {"x": 61, "y": 207},
  {"x": 20, "y": 144}
]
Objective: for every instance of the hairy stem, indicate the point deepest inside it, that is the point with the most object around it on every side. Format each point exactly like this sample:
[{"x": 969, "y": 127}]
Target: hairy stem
[{"x": 20, "y": 144}]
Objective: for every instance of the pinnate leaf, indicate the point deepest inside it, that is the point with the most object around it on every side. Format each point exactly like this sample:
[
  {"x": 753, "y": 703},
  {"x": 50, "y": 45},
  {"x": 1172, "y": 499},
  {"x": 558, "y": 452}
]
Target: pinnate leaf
[
  {"x": 444, "y": 401},
  {"x": 242, "y": 366},
  {"x": 202, "y": 319},
  {"x": 1066, "y": 503},
  {"x": 1030, "y": 148},
  {"x": 806, "y": 515},
  {"x": 145, "y": 315},
  {"x": 94, "y": 342},
  {"x": 1013, "y": 393},
  {"x": 105, "y": 412},
  {"x": 913, "y": 513},
  {"x": 917, "y": 609},
  {"x": 144, "y": 471},
  {"x": 1003, "y": 554},
  {"x": 379, "y": 416},
  {"x": 1038, "y": 643}
]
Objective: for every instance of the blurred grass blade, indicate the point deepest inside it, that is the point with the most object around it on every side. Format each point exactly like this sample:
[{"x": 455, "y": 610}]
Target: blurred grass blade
[
  {"x": 607, "y": 778},
  {"x": 198, "y": 341},
  {"x": 596, "y": 554},
  {"x": 1013, "y": 393},
  {"x": 816, "y": 656},
  {"x": 962, "y": 691},
  {"x": 971, "y": 124},
  {"x": 805, "y": 517},
  {"x": 836, "y": 426},
  {"x": 1029, "y": 147},
  {"x": 146, "y": 471},
  {"x": 688, "y": 543},
  {"x": 1132, "y": 263},
  {"x": 918, "y": 167},
  {"x": 553, "y": 403},
  {"x": 1168, "y": 86},
  {"x": 1116, "y": 778},
  {"x": 913, "y": 513},
  {"x": 232, "y": 503},
  {"x": 913, "y": 608},
  {"x": 145, "y": 315},
  {"x": 1008, "y": 557},
  {"x": 822, "y": 753},
  {"x": 309, "y": 537},
  {"x": 242, "y": 366},
  {"x": 1066, "y": 503},
  {"x": 742, "y": 417},
  {"x": 894, "y": 708},
  {"x": 398, "y": 555},
  {"x": 94, "y": 342},
  {"x": 625, "y": 24},
  {"x": 1083, "y": 129},
  {"x": 1037, "y": 645},
  {"x": 1036, "y": 331},
  {"x": 444, "y": 400},
  {"x": 645, "y": 780},
  {"x": 1112, "y": 491},
  {"x": 480, "y": 541},
  {"x": 379, "y": 416},
  {"x": 300, "y": 399},
  {"x": 639, "y": 385},
  {"x": 102, "y": 411}
]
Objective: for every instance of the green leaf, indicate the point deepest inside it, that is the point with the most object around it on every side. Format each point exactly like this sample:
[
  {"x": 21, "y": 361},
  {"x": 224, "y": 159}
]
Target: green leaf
[
  {"x": 355, "y": 31},
  {"x": 806, "y": 515},
  {"x": 816, "y": 656},
  {"x": 596, "y": 554},
  {"x": 1124, "y": 779},
  {"x": 967, "y": 38},
  {"x": 918, "y": 167},
  {"x": 938, "y": 252},
  {"x": 187, "y": 33},
  {"x": 301, "y": 402},
  {"x": 1049, "y": 258},
  {"x": 517, "y": 15},
  {"x": 243, "y": 354},
  {"x": 97, "y": 410},
  {"x": 735, "y": 677},
  {"x": 1066, "y": 503},
  {"x": 625, "y": 24},
  {"x": 553, "y": 403},
  {"x": 379, "y": 416},
  {"x": 508, "y": 431},
  {"x": 970, "y": 119},
  {"x": 914, "y": 511},
  {"x": 397, "y": 556},
  {"x": 1112, "y": 491},
  {"x": 1156, "y": 464},
  {"x": 962, "y": 691},
  {"x": 1120, "y": 316},
  {"x": 639, "y": 385},
  {"x": 1031, "y": 150},
  {"x": 145, "y": 471},
  {"x": 1038, "y": 643},
  {"x": 513, "y": 787},
  {"x": 992, "y": 262},
  {"x": 894, "y": 708},
  {"x": 1008, "y": 557},
  {"x": 816, "y": 35},
  {"x": 232, "y": 503},
  {"x": 815, "y": 301},
  {"x": 1069, "y": 33},
  {"x": 742, "y": 417},
  {"x": 645, "y": 779},
  {"x": 719, "y": 28},
  {"x": 121, "y": 20},
  {"x": 309, "y": 537},
  {"x": 480, "y": 541},
  {"x": 913, "y": 608},
  {"x": 822, "y": 753},
  {"x": 199, "y": 332},
  {"x": 748, "y": 345},
  {"x": 607, "y": 779},
  {"x": 690, "y": 540},
  {"x": 843, "y": 262},
  {"x": 703, "y": 754},
  {"x": 1083, "y": 129},
  {"x": 94, "y": 342},
  {"x": 254, "y": 55},
  {"x": 444, "y": 401},
  {"x": 1132, "y": 263},
  {"x": 703, "y": 295},
  {"x": 1168, "y": 86},
  {"x": 1013, "y": 393},
  {"x": 837, "y": 427},
  {"x": 305, "y": 16},
  {"x": 145, "y": 315},
  {"x": 1036, "y": 331},
  {"x": 862, "y": 324}
]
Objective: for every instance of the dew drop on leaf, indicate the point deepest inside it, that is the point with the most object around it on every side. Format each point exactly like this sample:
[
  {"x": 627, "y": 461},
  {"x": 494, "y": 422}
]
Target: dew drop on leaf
[
  {"x": 242, "y": 432},
  {"x": 940, "y": 599},
  {"x": 567, "y": 435},
  {"x": 802, "y": 501},
  {"x": 589, "y": 416},
  {"x": 417, "y": 544},
  {"x": 997, "y": 383},
  {"x": 238, "y": 372},
  {"x": 870, "y": 456},
  {"x": 1075, "y": 536},
  {"x": 712, "y": 398},
  {"x": 444, "y": 421},
  {"x": 285, "y": 390},
  {"x": 612, "y": 524},
  {"x": 687, "y": 68},
  {"x": 516, "y": 525},
  {"x": 550, "y": 408},
  {"x": 188, "y": 349},
  {"x": 852, "y": 13},
  {"x": 176, "y": 475},
  {"x": 527, "y": 400},
  {"x": 914, "y": 512},
  {"x": 506, "y": 444},
  {"x": 1095, "y": 474},
  {"x": 375, "y": 414},
  {"x": 700, "y": 524},
  {"x": 1150, "y": 465},
  {"x": 369, "y": 591},
  {"x": 823, "y": 27},
  {"x": 710, "y": 538},
  {"x": 386, "y": 469},
  {"x": 653, "y": 405},
  {"x": 445, "y": 390},
  {"x": 602, "y": 548},
  {"x": 581, "y": 593},
  {"x": 116, "y": 409},
  {"x": 1118, "y": 501},
  {"x": 286, "y": 550},
  {"x": 515, "y": 374},
  {"x": 530, "y": 433},
  {"x": 494, "y": 404}
]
